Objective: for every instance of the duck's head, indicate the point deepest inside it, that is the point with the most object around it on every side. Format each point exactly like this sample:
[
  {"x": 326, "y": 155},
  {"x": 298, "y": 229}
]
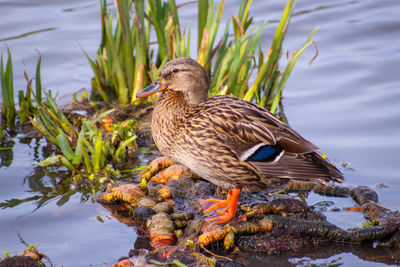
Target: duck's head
[{"x": 184, "y": 75}]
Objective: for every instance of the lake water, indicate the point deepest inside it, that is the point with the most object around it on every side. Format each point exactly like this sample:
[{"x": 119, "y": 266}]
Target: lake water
[{"x": 347, "y": 102}]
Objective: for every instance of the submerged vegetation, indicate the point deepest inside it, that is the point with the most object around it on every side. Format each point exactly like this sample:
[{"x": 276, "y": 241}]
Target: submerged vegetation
[{"x": 264, "y": 226}]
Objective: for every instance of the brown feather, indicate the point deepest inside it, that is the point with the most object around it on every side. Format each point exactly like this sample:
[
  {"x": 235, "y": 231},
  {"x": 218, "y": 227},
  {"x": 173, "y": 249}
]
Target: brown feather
[
  {"x": 298, "y": 166},
  {"x": 215, "y": 136}
]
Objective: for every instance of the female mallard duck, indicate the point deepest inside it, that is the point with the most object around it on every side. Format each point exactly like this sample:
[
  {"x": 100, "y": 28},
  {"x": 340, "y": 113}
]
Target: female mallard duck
[{"x": 230, "y": 142}]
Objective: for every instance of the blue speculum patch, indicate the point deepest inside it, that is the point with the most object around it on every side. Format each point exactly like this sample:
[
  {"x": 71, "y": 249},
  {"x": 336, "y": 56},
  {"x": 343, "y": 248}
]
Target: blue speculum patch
[{"x": 264, "y": 153}]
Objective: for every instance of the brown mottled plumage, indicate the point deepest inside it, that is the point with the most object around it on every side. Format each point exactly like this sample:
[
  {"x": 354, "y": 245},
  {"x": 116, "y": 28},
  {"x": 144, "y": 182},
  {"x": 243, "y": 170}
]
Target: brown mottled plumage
[{"x": 218, "y": 137}]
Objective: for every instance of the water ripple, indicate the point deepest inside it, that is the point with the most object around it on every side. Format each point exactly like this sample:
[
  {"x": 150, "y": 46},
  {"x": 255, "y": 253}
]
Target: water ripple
[{"x": 23, "y": 35}]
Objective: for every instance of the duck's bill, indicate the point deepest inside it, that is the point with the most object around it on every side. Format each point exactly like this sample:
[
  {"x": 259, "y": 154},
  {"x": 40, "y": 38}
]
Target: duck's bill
[{"x": 151, "y": 89}]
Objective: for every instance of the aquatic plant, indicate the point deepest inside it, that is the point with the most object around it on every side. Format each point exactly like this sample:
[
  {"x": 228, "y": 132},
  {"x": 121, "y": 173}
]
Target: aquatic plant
[
  {"x": 125, "y": 62},
  {"x": 30, "y": 257},
  {"x": 26, "y": 106},
  {"x": 26, "y": 103},
  {"x": 85, "y": 149},
  {"x": 7, "y": 91},
  {"x": 267, "y": 226}
]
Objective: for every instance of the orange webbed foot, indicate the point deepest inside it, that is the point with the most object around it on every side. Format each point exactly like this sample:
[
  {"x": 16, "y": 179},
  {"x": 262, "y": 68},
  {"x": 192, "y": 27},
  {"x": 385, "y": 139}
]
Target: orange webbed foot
[
  {"x": 229, "y": 206},
  {"x": 215, "y": 204}
]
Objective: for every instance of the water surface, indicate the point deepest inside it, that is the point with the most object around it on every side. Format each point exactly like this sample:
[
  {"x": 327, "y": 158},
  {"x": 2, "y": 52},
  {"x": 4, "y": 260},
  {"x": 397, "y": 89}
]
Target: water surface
[{"x": 347, "y": 102}]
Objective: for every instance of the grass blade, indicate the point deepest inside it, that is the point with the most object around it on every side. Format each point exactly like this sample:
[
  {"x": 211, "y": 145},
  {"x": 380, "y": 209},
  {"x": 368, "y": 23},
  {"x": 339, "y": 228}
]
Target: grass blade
[
  {"x": 7, "y": 90},
  {"x": 64, "y": 145},
  {"x": 202, "y": 9},
  {"x": 288, "y": 69},
  {"x": 38, "y": 94}
]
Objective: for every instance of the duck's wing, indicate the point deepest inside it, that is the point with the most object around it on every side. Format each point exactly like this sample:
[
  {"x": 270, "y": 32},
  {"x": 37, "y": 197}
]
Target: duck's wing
[{"x": 269, "y": 145}]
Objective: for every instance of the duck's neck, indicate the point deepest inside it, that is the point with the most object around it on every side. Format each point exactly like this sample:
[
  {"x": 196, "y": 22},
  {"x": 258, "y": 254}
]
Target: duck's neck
[
  {"x": 170, "y": 111},
  {"x": 171, "y": 103},
  {"x": 168, "y": 117}
]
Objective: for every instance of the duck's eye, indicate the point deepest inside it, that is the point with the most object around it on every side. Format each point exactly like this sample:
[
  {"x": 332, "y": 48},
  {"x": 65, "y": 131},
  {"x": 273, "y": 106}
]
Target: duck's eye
[{"x": 175, "y": 70}]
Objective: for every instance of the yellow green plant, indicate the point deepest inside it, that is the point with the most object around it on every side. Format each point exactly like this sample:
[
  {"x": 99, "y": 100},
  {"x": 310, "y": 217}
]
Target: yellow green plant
[
  {"x": 84, "y": 151},
  {"x": 7, "y": 91},
  {"x": 269, "y": 82},
  {"x": 26, "y": 103},
  {"x": 127, "y": 60}
]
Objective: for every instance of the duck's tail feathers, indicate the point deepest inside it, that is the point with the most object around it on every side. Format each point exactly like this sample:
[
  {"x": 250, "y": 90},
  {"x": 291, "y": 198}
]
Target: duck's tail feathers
[{"x": 309, "y": 166}]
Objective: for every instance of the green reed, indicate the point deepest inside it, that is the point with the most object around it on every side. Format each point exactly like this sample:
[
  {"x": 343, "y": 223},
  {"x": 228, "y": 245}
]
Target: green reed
[
  {"x": 269, "y": 82},
  {"x": 27, "y": 104},
  {"x": 128, "y": 60},
  {"x": 8, "y": 111},
  {"x": 85, "y": 149}
]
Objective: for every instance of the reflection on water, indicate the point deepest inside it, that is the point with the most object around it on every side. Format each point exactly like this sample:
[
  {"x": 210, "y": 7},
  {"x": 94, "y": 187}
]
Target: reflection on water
[
  {"x": 6, "y": 152},
  {"x": 33, "y": 144},
  {"x": 346, "y": 102},
  {"x": 337, "y": 255},
  {"x": 322, "y": 7},
  {"x": 26, "y": 34},
  {"x": 43, "y": 184}
]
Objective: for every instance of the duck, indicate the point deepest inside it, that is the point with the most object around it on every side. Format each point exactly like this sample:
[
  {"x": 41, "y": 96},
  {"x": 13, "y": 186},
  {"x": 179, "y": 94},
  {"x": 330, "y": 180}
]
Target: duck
[{"x": 235, "y": 144}]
